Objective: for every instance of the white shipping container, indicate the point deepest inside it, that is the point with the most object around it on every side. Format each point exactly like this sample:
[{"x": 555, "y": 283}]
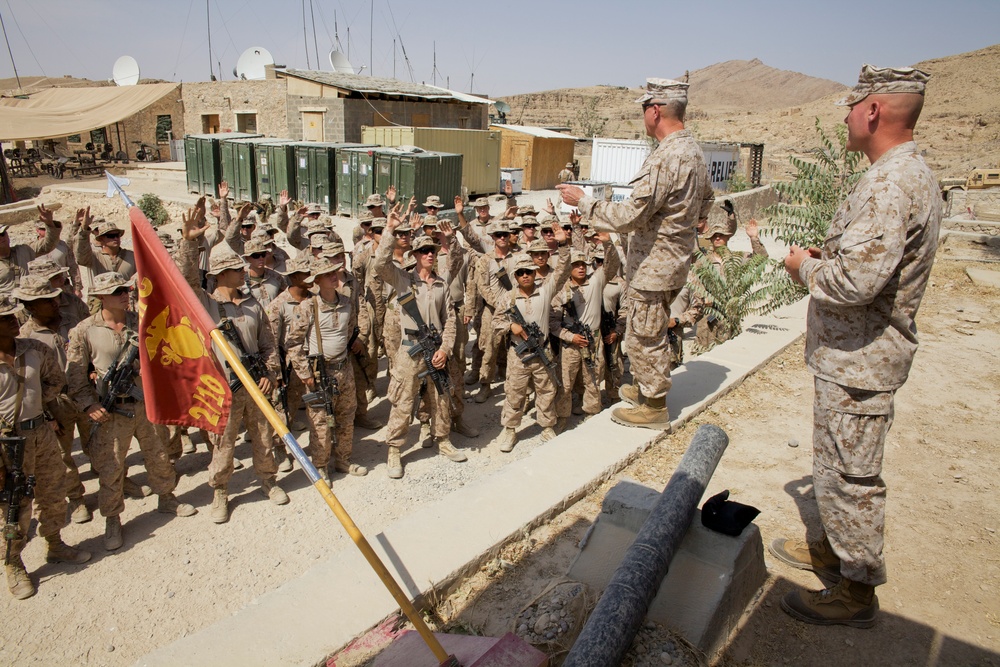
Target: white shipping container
[
  {"x": 722, "y": 160},
  {"x": 617, "y": 160},
  {"x": 598, "y": 191},
  {"x": 515, "y": 176}
]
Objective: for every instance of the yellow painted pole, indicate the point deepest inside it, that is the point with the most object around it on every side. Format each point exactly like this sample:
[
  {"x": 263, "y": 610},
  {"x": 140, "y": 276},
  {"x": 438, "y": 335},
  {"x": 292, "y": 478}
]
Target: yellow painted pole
[{"x": 338, "y": 510}]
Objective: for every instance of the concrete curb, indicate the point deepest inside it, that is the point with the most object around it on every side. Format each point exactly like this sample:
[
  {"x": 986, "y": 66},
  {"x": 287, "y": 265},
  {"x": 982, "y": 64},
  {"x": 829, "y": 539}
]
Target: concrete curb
[{"x": 439, "y": 544}]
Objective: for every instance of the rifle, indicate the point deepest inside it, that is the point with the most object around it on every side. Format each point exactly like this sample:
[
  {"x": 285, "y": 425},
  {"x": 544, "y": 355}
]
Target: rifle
[
  {"x": 254, "y": 363},
  {"x": 534, "y": 346},
  {"x": 286, "y": 376},
  {"x": 16, "y": 485},
  {"x": 325, "y": 387},
  {"x": 571, "y": 322},
  {"x": 120, "y": 379},
  {"x": 428, "y": 342},
  {"x": 609, "y": 323},
  {"x": 361, "y": 356}
]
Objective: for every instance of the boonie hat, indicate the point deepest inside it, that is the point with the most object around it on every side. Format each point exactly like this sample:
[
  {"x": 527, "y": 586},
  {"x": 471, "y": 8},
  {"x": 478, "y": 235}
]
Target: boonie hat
[
  {"x": 105, "y": 226},
  {"x": 45, "y": 268},
  {"x": 434, "y": 201},
  {"x": 322, "y": 265},
  {"x": 374, "y": 200},
  {"x": 223, "y": 261},
  {"x": 35, "y": 287},
  {"x": 538, "y": 245},
  {"x": 298, "y": 264},
  {"x": 254, "y": 246},
  {"x": 7, "y": 305},
  {"x": 107, "y": 283},
  {"x": 523, "y": 262}
]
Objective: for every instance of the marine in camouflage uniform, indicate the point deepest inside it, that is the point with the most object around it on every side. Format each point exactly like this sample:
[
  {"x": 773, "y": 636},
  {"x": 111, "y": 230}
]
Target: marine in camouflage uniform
[
  {"x": 433, "y": 299},
  {"x": 14, "y": 258},
  {"x": 670, "y": 194},
  {"x": 324, "y": 324},
  {"x": 100, "y": 342},
  {"x": 30, "y": 376},
  {"x": 865, "y": 284}
]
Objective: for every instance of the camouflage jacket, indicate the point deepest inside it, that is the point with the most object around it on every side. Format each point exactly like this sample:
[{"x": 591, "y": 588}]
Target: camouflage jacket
[{"x": 869, "y": 281}]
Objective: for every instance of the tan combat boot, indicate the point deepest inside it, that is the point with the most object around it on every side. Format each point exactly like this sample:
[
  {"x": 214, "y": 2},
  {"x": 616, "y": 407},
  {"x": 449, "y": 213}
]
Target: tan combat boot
[
  {"x": 815, "y": 556},
  {"x": 548, "y": 434},
  {"x": 78, "y": 511},
  {"x": 447, "y": 449},
  {"x": 60, "y": 552},
  {"x": 845, "y": 603},
  {"x": 394, "y": 465},
  {"x": 462, "y": 427},
  {"x": 274, "y": 492},
  {"x": 18, "y": 580},
  {"x": 133, "y": 489},
  {"x": 507, "y": 439},
  {"x": 368, "y": 423},
  {"x": 348, "y": 468},
  {"x": 220, "y": 506},
  {"x": 629, "y": 393},
  {"x": 561, "y": 423},
  {"x": 650, "y": 413},
  {"x": 484, "y": 393},
  {"x": 425, "y": 439},
  {"x": 169, "y": 504},
  {"x": 113, "y": 533}
]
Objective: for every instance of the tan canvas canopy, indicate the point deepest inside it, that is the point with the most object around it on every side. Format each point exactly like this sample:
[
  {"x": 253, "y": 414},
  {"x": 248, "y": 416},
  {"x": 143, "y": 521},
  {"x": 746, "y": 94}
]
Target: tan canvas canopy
[{"x": 60, "y": 112}]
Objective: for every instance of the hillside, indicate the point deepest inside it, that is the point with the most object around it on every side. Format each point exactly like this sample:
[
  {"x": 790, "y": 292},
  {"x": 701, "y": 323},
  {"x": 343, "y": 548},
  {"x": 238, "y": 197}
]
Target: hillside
[{"x": 751, "y": 102}]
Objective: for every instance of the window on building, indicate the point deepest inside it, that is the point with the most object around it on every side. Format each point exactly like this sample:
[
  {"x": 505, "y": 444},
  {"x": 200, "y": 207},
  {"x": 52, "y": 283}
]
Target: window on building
[
  {"x": 164, "y": 129},
  {"x": 210, "y": 123},
  {"x": 74, "y": 139},
  {"x": 463, "y": 123},
  {"x": 98, "y": 137},
  {"x": 246, "y": 122}
]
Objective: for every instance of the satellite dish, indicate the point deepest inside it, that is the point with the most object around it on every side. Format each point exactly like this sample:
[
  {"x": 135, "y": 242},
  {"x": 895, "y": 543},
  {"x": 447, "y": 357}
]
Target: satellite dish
[
  {"x": 340, "y": 63},
  {"x": 125, "y": 71},
  {"x": 502, "y": 107},
  {"x": 252, "y": 62}
]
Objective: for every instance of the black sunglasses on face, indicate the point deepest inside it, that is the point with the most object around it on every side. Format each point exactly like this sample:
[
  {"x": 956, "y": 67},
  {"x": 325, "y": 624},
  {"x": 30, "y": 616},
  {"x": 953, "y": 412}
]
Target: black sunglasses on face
[
  {"x": 404, "y": 235},
  {"x": 524, "y": 272},
  {"x": 548, "y": 231},
  {"x": 501, "y": 235},
  {"x": 424, "y": 251},
  {"x": 120, "y": 291},
  {"x": 258, "y": 255},
  {"x": 112, "y": 235}
]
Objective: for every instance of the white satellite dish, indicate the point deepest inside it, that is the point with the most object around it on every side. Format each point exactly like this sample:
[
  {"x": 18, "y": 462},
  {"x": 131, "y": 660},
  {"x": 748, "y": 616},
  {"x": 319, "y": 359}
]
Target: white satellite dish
[
  {"x": 252, "y": 62},
  {"x": 340, "y": 63},
  {"x": 125, "y": 71},
  {"x": 502, "y": 107}
]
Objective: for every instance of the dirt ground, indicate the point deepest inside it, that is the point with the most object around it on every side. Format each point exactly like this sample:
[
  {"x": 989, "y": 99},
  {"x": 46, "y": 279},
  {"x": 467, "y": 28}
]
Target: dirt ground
[{"x": 940, "y": 605}]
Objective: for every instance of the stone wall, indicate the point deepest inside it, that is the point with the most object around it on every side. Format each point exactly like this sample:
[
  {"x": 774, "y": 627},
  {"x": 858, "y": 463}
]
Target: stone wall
[
  {"x": 748, "y": 204},
  {"x": 985, "y": 201},
  {"x": 265, "y": 98}
]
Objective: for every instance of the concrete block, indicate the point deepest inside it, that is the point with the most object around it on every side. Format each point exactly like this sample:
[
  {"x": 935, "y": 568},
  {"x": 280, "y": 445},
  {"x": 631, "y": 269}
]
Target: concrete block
[
  {"x": 983, "y": 278},
  {"x": 712, "y": 578}
]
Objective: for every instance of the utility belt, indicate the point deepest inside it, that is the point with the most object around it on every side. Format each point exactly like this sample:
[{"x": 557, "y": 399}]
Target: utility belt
[
  {"x": 334, "y": 366},
  {"x": 30, "y": 424}
]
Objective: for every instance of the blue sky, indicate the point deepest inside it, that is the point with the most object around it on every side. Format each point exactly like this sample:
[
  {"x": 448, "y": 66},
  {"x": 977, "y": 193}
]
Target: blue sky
[{"x": 514, "y": 46}]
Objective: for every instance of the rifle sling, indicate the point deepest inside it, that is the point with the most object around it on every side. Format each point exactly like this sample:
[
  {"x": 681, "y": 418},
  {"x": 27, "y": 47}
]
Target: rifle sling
[
  {"x": 408, "y": 302},
  {"x": 504, "y": 279},
  {"x": 319, "y": 336}
]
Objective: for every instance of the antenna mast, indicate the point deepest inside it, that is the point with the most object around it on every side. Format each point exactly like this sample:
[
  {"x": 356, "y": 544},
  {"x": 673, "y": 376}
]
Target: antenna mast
[
  {"x": 305, "y": 35},
  {"x": 315, "y": 43},
  {"x": 16, "y": 75},
  {"x": 208, "y": 15}
]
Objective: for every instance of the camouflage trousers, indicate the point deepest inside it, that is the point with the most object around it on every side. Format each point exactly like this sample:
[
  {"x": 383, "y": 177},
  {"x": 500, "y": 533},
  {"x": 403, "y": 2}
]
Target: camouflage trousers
[
  {"x": 476, "y": 361},
  {"x": 244, "y": 412},
  {"x": 404, "y": 391},
  {"x": 646, "y": 340},
  {"x": 110, "y": 447},
  {"x": 515, "y": 388},
  {"x": 492, "y": 343},
  {"x": 847, "y": 475},
  {"x": 41, "y": 459},
  {"x": 321, "y": 437},
  {"x": 70, "y": 418},
  {"x": 613, "y": 371},
  {"x": 575, "y": 371},
  {"x": 295, "y": 391}
]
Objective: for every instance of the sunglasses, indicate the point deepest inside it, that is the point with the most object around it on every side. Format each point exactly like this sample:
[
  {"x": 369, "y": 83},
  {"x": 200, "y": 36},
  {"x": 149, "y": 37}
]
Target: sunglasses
[
  {"x": 120, "y": 291},
  {"x": 520, "y": 273},
  {"x": 648, "y": 104},
  {"x": 257, "y": 255},
  {"x": 112, "y": 235},
  {"x": 501, "y": 235},
  {"x": 548, "y": 231},
  {"x": 404, "y": 235},
  {"x": 366, "y": 224},
  {"x": 424, "y": 251}
]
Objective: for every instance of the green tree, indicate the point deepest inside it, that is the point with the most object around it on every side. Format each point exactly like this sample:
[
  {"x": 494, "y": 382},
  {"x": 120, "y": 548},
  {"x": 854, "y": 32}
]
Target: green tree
[
  {"x": 819, "y": 188},
  {"x": 153, "y": 207},
  {"x": 590, "y": 121},
  {"x": 742, "y": 285}
]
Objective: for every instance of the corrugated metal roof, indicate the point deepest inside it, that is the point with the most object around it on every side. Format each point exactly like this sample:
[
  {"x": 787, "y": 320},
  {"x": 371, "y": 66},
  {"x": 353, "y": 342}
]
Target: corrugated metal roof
[
  {"x": 371, "y": 85},
  {"x": 536, "y": 131}
]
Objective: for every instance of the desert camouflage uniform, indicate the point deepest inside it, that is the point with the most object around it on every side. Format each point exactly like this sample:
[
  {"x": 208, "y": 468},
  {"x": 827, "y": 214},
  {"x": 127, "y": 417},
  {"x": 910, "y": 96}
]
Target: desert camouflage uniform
[
  {"x": 588, "y": 299},
  {"x": 97, "y": 262},
  {"x": 687, "y": 310},
  {"x": 860, "y": 341},
  {"x": 336, "y": 323},
  {"x": 536, "y": 308},
  {"x": 614, "y": 362},
  {"x": 373, "y": 300},
  {"x": 15, "y": 265},
  {"x": 267, "y": 287},
  {"x": 670, "y": 194},
  {"x": 94, "y": 343},
  {"x": 43, "y": 380},
  {"x": 434, "y": 302},
  {"x": 279, "y": 314}
]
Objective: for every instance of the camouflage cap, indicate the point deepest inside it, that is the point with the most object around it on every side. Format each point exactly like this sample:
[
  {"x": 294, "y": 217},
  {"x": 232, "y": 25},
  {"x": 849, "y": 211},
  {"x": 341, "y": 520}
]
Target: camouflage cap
[
  {"x": 661, "y": 91},
  {"x": 319, "y": 240},
  {"x": 34, "y": 287},
  {"x": 9, "y": 306},
  {"x": 409, "y": 260},
  {"x": 332, "y": 249},
  {"x": 302, "y": 263},
  {"x": 497, "y": 227},
  {"x": 322, "y": 265},
  {"x": 254, "y": 246},
  {"x": 515, "y": 226},
  {"x": 312, "y": 208},
  {"x": 883, "y": 80},
  {"x": 107, "y": 283},
  {"x": 538, "y": 245},
  {"x": 46, "y": 268},
  {"x": 105, "y": 226},
  {"x": 378, "y": 223},
  {"x": 223, "y": 261},
  {"x": 430, "y": 221},
  {"x": 250, "y": 221},
  {"x": 266, "y": 228},
  {"x": 365, "y": 216},
  {"x": 480, "y": 201},
  {"x": 523, "y": 262},
  {"x": 374, "y": 200},
  {"x": 597, "y": 253},
  {"x": 433, "y": 201},
  {"x": 577, "y": 256},
  {"x": 725, "y": 226},
  {"x": 425, "y": 242},
  {"x": 316, "y": 227},
  {"x": 569, "y": 165},
  {"x": 529, "y": 220},
  {"x": 527, "y": 209},
  {"x": 404, "y": 227}
]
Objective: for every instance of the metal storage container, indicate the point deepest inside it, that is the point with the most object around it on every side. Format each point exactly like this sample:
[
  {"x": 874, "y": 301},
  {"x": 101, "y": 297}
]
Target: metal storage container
[
  {"x": 275, "y": 168},
  {"x": 515, "y": 176},
  {"x": 722, "y": 160},
  {"x": 239, "y": 167},
  {"x": 480, "y": 150},
  {"x": 598, "y": 191},
  {"x": 617, "y": 160},
  {"x": 317, "y": 172},
  {"x": 418, "y": 174},
  {"x": 203, "y": 160},
  {"x": 355, "y": 180}
]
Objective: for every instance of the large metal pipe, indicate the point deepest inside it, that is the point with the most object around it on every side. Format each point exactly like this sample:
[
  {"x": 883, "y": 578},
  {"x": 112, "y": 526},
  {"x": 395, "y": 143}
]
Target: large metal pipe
[{"x": 619, "y": 613}]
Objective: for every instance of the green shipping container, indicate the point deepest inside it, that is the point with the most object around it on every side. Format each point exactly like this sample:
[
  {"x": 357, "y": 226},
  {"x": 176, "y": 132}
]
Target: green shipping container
[
  {"x": 419, "y": 174},
  {"x": 203, "y": 160},
  {"x": 316, "y": 172},
  {"x": 239, "y": 167},
  {"x": 356, "y": 179},
  {"x": 276, "y": 168}
]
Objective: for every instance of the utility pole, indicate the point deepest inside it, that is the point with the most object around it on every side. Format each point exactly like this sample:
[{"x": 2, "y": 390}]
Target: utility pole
[
  {"x": 371, "y": 40},
  {"x": 16, "y": 75},
  {"x": 211, "y": 67},
  {"x": 305, "y": 36}
]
